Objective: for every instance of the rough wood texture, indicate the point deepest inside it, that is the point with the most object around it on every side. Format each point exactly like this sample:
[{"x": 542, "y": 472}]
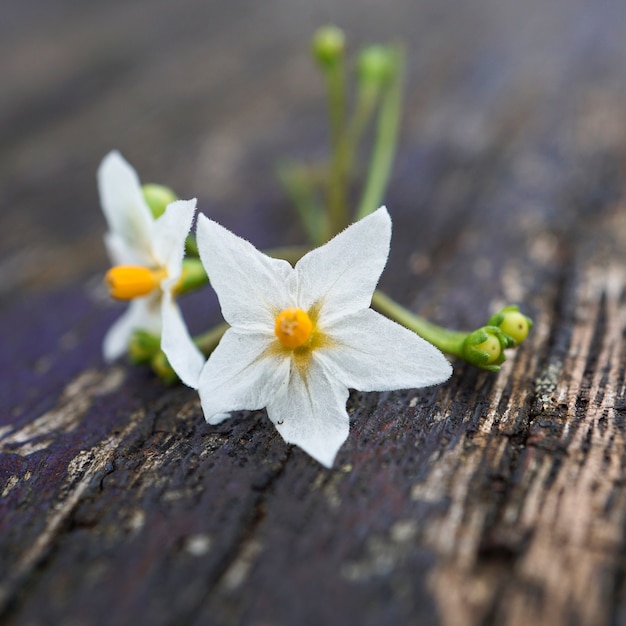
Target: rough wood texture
[{"x": 492, "y": 499}]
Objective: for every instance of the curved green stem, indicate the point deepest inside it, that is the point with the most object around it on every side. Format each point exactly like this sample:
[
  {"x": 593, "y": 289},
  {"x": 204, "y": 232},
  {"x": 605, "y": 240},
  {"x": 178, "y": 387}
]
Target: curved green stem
[
  {"x": 449, "y": 341},
  {"x": 483, "y": 347}
]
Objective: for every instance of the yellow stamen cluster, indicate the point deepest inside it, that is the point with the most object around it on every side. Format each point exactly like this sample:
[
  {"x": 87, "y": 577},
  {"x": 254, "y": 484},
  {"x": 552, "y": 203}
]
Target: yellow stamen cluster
[
  {"x": 126, "y": 282},
  {"x": 293, "y": 327}
]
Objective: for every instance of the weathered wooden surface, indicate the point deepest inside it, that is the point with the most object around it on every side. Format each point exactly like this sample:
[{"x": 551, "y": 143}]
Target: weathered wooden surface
[{"x": 492, "y": 499}]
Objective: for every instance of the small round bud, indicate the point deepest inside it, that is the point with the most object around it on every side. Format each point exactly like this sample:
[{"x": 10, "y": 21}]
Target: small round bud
[
  {"x": 375, "y": 64},
  {"x": 491, "y": 346},
  {"x": 485, "y": 348},
  {"x": 157, "y": 198},
  {"x": 515, "y": 325},
  {"x": 328, "y": 45}
]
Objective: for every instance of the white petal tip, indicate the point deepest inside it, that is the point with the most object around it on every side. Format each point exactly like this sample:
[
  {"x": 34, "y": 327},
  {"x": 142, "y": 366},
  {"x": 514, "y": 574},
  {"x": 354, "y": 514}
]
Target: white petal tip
[
  {"x": 323, "y": 457},
  {"x": 217, "y": 418}
]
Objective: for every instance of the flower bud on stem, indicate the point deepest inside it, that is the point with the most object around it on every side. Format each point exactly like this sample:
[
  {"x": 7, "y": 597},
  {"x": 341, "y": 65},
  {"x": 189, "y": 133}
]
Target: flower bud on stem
[
  {"x": 483, "y": 347},
  {"x": 375, "y": 68},
  {"x": 329, "y": 51},
  {"x": 388, "y": 125},
  {"x": 512, "y": 323}
]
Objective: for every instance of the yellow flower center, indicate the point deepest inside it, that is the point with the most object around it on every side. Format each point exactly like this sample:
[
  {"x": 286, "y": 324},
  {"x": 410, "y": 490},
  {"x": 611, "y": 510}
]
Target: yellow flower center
[
  {"x": 293, "y": 327},
  {"x": 126, "y": 282}
]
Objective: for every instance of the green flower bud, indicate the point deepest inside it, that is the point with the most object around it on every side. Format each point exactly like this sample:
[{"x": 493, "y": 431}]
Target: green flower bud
[
  {"x": 328, "y": 45},
  {"x": 513, "y": 324},
  {"x": 191, "y": 246},
  {"x": 143, "y": 346},
  {"x": 375, "y": 65},
  {"x": 158, "y": 197},
  {"x": 485, "y": 348},
  {"x": 192, "y": 277}
]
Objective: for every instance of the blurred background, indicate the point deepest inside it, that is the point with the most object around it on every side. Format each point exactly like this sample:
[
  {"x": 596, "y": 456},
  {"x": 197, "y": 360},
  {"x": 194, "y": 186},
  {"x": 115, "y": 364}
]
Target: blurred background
[{"x": 207, "y": 97}]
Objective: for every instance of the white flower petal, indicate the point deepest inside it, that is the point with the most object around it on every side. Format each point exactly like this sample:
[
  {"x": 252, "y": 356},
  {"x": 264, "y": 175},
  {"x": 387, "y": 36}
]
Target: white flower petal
[
  {"x": 252, "y": 287},
  {"x": 241, "y": 374},
  {"x": 312, "y": 413},
  {"x": 123, "y": 204},
  {"x": 180, "y": 350},
  {"x": 372, "y": 353},
  {"x": 170, "y": 232},
  {"x": 342, "y": 274},
  {"x": 120, "y": 253},
  {"x": 142, "y": 313}
]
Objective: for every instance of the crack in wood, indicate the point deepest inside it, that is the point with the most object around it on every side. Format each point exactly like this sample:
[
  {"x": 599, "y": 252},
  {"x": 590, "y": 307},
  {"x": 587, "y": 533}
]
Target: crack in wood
[
  {"x": 89, "y": 464},
  {"x": 76, "y": 399}
]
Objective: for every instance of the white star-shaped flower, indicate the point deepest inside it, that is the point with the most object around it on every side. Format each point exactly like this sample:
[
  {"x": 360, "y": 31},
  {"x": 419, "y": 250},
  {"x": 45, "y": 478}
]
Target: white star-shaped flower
[
  {"x": 147, "y": 255},
  {"x": 301, "y": 336}
]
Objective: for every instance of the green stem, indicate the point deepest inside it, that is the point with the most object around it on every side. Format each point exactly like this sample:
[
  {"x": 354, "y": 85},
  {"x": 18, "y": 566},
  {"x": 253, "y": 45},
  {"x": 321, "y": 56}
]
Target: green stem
[
  {"x": 385, "y": 143},
  {"x": 300, "y": 187},
  {"x": 449, "y": 341},
  {"x": 207, "y": 342},
  {"x": 367, "y": 99},
  {"x": 338, "y": 174}
]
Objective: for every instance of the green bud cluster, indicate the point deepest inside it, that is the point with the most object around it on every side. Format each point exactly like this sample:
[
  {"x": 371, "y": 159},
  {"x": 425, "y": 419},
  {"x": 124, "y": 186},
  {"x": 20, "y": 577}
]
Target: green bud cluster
[{"x": 505, "y": 329}]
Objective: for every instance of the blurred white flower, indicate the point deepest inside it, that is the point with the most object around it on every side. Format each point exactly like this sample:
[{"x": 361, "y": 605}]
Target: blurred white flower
[{"x": 147, "y": 257}]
